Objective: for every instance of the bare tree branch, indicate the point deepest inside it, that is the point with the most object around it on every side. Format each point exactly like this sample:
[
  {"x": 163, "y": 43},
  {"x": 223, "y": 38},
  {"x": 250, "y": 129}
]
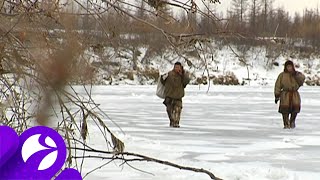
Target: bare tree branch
[{"x": 138, "y": 157}]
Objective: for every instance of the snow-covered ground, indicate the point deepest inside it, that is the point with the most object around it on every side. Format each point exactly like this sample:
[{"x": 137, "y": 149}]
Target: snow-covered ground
[
  {"x": 233, "y": 131},
  {"x": 215, "y": 61}
]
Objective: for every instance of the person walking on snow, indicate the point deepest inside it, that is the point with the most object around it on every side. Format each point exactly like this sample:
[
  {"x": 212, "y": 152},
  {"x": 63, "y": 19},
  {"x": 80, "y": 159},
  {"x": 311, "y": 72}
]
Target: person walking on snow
[
  {"x": 286, "y": 90},
  {"x": 174, "y": 82}
]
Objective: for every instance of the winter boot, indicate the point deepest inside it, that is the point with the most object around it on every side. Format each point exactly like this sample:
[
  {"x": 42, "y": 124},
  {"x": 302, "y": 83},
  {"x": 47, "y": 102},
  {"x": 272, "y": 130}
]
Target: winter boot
[
  {"x": 170, "y": 114},
  {"x": 176, "y": 126},
  {"x": 293, "y": 120},
  {"x": 171, "y": 123},
  {"x": 285, "y": 118},
  {"x": 176, "y": 116}
]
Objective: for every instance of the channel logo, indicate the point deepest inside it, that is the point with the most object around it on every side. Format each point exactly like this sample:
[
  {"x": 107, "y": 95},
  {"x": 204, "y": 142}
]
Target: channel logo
[
  {"x": 39, "y": 153},
  {"x": 32, "y": 147}
]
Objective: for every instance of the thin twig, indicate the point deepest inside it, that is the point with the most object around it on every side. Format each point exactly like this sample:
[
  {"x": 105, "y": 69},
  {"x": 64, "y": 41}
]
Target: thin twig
[{"x": 144, "y": 158}]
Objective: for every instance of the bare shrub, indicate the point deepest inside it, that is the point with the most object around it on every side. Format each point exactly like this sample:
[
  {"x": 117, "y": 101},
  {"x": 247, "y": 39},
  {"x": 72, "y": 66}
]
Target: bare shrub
[
  {"x": 313, "y": 81},
  {"x": 201, "y": 80},
  {"x": 151, "y": 73},
  {"x": 228, "y": 79}
]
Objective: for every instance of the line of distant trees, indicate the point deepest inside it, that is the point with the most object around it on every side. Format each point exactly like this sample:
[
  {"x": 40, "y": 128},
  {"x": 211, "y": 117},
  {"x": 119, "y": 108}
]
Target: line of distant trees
[
  {"x": 245, "y": 18},
  {"x": 260, "y": 18}
]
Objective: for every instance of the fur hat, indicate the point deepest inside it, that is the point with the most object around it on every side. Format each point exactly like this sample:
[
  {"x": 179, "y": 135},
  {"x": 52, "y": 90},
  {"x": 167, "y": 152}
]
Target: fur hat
[{"x": 287, "y": 63}]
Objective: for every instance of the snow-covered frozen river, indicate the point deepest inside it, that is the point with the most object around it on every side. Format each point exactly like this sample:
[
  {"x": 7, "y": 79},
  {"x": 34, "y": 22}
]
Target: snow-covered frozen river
[{"x": 233, "y": 131}]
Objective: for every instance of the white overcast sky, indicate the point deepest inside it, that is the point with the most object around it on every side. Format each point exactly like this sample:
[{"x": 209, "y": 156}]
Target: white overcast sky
[
  {"x": 291, "y": 6},
  {"x": 297, "y": 5}
]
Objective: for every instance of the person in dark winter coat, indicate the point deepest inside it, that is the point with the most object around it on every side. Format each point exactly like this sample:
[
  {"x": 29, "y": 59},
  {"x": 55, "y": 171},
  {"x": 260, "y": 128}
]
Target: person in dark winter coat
[
  {"x": 286, "y": 90},
  {"x": 174, "y": 81}
]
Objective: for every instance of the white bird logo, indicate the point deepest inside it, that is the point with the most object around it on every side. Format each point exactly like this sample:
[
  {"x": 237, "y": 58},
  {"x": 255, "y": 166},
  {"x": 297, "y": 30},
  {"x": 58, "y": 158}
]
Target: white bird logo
[{"x": 32, "y": 146}]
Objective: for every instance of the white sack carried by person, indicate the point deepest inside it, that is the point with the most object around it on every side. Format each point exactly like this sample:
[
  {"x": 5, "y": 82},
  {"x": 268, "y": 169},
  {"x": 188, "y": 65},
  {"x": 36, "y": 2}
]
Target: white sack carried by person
[{"x": 160, "y": 87}]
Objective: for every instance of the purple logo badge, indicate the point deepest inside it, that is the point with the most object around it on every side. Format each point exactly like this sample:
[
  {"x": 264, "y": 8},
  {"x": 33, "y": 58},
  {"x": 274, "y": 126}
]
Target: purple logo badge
[{"x": 39, "y": 153}]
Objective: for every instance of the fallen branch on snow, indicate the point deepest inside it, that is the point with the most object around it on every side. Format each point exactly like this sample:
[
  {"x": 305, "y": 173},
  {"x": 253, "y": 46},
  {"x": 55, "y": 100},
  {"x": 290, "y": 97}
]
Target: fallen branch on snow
[{"x": 137, "y": 157}]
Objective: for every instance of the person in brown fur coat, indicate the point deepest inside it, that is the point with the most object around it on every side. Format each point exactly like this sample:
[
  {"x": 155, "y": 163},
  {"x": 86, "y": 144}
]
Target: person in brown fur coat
[{"x": 286, "y": 90}]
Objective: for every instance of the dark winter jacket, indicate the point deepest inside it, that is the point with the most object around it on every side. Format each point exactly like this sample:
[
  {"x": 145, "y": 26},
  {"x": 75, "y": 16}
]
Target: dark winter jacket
[
  {"x": 286, "y": 88},
  {"x": 175, "y": 84}
]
